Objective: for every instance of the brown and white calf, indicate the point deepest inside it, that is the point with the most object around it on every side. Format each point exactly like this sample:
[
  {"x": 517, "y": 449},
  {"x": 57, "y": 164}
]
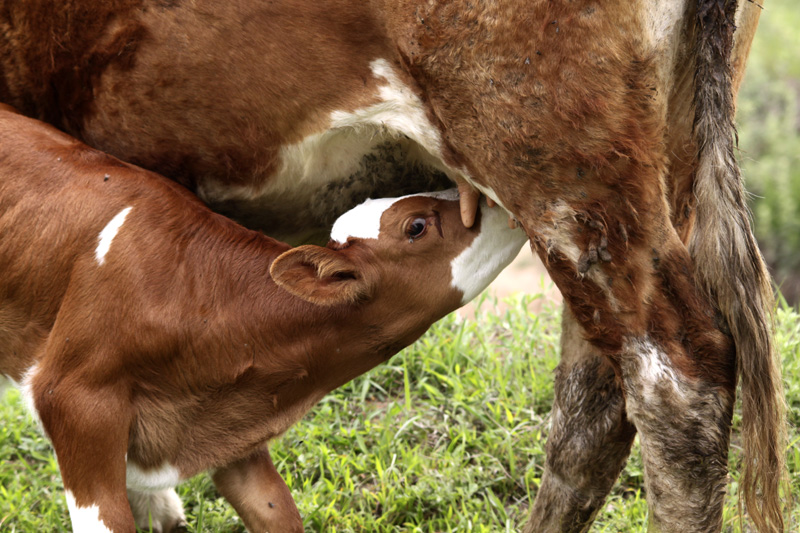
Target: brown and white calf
[
  {"x": 604, "y": 127},
  {"x": 155, "y": 339}
]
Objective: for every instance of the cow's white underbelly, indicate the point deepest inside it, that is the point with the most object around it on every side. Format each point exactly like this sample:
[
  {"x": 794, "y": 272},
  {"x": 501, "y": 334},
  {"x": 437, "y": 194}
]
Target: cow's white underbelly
[{"x": 389, "y": 148}]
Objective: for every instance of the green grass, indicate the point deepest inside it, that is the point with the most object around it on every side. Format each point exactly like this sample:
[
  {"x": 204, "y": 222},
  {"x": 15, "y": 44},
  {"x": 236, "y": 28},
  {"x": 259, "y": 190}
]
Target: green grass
[
  {"x": 769, "y": 138},
  {"x": 448, "y": 436}
]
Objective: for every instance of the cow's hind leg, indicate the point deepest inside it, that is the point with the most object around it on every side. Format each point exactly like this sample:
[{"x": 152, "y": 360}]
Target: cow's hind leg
[
  {"x": 590, "y": 438},
  {"x": 629, "y": 282},
  {"x": 684, "y": 428},
  {"x": 668, "y": 345}
]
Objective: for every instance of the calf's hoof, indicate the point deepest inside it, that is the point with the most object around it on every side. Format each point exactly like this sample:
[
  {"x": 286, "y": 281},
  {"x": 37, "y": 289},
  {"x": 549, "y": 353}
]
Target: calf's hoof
[{"x": 158, "y": 511}]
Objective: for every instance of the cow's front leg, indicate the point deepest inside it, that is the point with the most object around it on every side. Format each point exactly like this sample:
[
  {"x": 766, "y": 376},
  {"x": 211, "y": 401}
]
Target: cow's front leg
[
  {"x": 590, "y": 438},
  {"x": 259, "y": 494},
  {"x": 89, "y": 432}
]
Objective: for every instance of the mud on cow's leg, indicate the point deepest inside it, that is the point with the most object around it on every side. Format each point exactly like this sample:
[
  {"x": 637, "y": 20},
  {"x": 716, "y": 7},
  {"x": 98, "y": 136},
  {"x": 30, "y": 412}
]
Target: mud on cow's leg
[
  {"x": 684, "y": 428},
  {"x": 679, "y": 381},
  {"x": 590, "y": 437},
  {"x": 641, "y": 308}
]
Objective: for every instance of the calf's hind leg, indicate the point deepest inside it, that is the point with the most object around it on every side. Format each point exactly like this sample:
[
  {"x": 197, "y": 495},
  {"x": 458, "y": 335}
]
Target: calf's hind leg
[
  {"x": 259, "y": 494},
  {"x": 158, "y": 511},
  {"x": 590, "y": 438}
]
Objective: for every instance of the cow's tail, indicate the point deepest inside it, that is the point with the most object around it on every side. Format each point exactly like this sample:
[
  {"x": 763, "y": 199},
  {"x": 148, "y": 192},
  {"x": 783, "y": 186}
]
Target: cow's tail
[{"x": 730, "y": 266}]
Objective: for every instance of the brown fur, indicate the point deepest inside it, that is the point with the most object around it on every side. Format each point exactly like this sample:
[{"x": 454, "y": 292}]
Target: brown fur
[
  {"x": 203, "y": 356},
  {"x": 612, "y": 151},
  {"x": 345, "y": 283},
  {"x": 111, "y": 37}
]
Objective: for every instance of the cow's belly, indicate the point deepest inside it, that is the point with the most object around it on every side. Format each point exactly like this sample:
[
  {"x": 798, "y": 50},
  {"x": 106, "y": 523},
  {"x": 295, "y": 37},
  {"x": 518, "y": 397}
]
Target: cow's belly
[
  {"x": 287, "y": 163},
  {"x": 383, "y": 148}
]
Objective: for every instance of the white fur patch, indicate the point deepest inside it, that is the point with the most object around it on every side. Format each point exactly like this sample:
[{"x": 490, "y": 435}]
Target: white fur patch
[
  {"x": 364, "y": 220},
  {"x": 491, "y": 251},
  {"x": 85, "y": 519},
  {"x": 655, "y": 369},
  {"x": 25, "y": 387},
  {"x": 401, "y": 110},
  {"x": 663, "y": 31},
  {"x": 661, "y": 19},
  {"x": 164, "y": 477},
  {"x": 108, "y": 234},
  {"x": 162, "y": 509},
  {"x": 338, "y": 151}
]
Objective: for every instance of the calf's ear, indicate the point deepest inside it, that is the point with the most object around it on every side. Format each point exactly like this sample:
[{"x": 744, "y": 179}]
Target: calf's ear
[{"x": 321, "y": 276}]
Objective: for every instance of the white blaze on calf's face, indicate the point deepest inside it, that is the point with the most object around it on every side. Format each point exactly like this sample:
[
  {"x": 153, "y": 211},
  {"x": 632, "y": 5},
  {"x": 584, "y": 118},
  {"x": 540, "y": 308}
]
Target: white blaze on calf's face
[
  {"x": 482, "y": 257},
  {"x": 361, "y": 222}
]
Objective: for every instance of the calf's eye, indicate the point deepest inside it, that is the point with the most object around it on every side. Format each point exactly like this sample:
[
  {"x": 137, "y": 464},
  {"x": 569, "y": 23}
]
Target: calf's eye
[{"x": 417, "y": 228}]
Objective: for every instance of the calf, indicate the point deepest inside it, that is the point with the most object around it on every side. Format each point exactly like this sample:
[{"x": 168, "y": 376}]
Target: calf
[{"x": 155, "y": 339}]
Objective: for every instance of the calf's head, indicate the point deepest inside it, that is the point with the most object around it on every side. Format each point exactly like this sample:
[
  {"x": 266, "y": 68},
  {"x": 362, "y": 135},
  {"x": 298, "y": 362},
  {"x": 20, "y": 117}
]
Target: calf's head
[{"x": 407, "y": 258}]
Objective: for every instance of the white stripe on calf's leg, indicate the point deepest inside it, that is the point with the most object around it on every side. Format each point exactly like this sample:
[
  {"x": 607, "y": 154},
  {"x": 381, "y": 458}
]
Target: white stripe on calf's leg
[{"x": 85, "y": 519}]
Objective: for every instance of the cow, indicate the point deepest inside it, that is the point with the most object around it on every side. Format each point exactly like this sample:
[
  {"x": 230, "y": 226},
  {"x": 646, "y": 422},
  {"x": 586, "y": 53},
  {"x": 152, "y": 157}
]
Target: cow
[
  {"x": 155, "y": 339},
  {"x": 605, "y": 129}
]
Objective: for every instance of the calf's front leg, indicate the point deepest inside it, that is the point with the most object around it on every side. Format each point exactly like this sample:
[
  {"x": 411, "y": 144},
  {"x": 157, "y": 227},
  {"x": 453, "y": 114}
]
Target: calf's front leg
[
  {"x": 89, "y": 432},
  {"x": 258, "y": 493}
]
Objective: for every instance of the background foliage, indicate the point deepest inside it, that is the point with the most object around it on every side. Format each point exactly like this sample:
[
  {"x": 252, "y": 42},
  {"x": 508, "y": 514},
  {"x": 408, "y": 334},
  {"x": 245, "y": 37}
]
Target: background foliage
[{"x": 769, "y": 139}]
